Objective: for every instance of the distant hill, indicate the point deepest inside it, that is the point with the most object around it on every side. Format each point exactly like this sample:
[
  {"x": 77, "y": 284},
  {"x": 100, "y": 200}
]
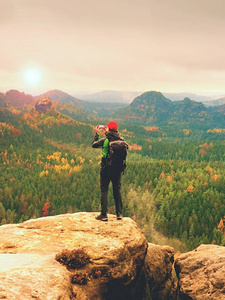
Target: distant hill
[
  {"x": 128, "y": 97},
  {"x": 217, "y": 102},
  {"x": 150, "y": 107},
  {"x": 68, "y": 105},
  {"x": 112, "y": 96},
  {"x": 153, "y": 108},
  {"x": 98, "y": 109},
  {"x": 59, "y": 96},
  {"x": 180, "y": 96},
  {"x": 16, "y": 98}
]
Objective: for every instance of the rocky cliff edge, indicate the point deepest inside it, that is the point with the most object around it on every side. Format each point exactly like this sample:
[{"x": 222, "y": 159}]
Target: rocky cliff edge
[{"x": 74, "y": 256}]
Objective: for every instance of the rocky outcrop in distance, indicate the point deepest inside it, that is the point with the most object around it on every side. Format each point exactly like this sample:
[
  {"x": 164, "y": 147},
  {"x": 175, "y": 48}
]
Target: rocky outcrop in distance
[
  {"x": 74, "y": 256},
  {"x": 43, "y": 105},
  {"x": 121, "y": 264}
]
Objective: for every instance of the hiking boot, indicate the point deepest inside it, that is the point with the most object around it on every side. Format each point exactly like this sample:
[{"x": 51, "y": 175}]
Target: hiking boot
[
  {"x": 102, "y": 217},
  {"x": 119, "y": 217}
]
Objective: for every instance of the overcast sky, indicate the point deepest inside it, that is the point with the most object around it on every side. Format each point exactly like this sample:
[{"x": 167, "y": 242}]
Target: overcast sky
[{"x": 127, "y": 45}]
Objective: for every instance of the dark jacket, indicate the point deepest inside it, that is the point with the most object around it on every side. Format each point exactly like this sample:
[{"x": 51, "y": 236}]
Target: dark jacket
[
  {"x": 111, "y": 136},
  {"x": 104, "y": 144}
]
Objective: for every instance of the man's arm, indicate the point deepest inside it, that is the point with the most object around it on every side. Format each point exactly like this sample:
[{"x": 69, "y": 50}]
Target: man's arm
[{"x": 96, "y": 142}]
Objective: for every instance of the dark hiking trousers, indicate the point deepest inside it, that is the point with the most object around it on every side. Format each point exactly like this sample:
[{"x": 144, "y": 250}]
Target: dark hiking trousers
[{"x": 108, "y": 174}]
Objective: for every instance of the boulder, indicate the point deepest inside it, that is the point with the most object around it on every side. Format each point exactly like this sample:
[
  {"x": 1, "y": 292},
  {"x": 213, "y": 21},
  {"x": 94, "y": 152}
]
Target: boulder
[
  {"x": 43, "y": 105},
  {"x": 201, "y": 273},
  {"x": 29, "y": 270}
]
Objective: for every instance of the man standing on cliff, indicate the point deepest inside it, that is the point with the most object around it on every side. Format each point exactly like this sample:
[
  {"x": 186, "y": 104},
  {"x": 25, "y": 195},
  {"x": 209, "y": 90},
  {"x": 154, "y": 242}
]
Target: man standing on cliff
[{"x": 114, "y": 151}]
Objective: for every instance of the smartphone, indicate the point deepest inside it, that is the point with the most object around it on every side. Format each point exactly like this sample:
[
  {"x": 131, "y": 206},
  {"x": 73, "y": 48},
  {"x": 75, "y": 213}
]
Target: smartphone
[{"x": 101, "y": 128}]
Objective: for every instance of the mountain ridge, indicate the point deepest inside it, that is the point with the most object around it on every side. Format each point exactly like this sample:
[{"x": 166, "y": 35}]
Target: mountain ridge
[
  {"x": 216, "y": 102},
  {"x": 128, "y": 96},
  {"x": 60, "y": 96},
  {"x": 153, "y": 108}
]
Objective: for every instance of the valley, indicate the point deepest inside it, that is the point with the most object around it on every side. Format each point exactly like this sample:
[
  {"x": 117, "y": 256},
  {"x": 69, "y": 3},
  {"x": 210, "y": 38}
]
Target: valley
[{"x": 174, "y": 184}]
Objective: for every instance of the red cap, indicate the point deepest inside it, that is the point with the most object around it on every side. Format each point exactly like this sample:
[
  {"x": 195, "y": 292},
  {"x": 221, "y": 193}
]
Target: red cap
[{"x": 112, "y": 126}]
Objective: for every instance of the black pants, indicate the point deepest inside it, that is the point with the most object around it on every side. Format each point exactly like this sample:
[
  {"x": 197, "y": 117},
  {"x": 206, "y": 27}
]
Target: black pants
[{"x": 108, "y": 174}]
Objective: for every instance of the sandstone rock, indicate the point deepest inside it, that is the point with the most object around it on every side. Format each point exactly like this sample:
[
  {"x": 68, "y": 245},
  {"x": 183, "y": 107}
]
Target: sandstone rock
[
  {"x": 158, "y": 270},
  {"x": 157, "y": 279},
  {"x": 43, "y": 105},
  {"x": 28, "y": 269},
  {"x": 201, "y": 273}
]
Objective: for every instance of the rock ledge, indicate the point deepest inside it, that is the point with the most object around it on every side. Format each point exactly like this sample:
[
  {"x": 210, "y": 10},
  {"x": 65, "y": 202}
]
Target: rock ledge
[{"x": 28, "y": 269}]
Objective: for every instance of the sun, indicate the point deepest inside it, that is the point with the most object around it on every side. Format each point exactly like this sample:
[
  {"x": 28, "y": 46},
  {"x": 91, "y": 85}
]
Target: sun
[{"x": 32, "y": 76}]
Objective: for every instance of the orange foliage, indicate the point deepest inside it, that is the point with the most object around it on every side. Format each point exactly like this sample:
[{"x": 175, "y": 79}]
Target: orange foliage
[
  {"x": 162, "y": 175},
  {"x": 8, "y": 128},
  {"x": 147, "y": 185},
  {"x": 151, "y": 128},
  {"x": 16, "y": 131},
  {"x": 186, "y": 131},
  {"x": 206, "y": 146},
  {"x": 190, "y": 189},
  {"x": 45, "y": 209},
  {"x": 216, "y": 130},
  {"x": 24, "y": 207},
  {"x": 82, "y": 160},
  {"x": 202, "y": 152},
  {"x": 4, "y": 156},
  {"x": 135, "y": 147},
  {"x": 127, "y": 133},
  {"x": 169, "y": 178},
  {"x": 208, "y": 169},
  {"x": 221, "y": 225},
  {"x": 215, "y": 177}
]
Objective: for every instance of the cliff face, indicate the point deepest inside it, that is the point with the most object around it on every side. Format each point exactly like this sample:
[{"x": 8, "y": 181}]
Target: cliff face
[{"x": 117, "y": 266}]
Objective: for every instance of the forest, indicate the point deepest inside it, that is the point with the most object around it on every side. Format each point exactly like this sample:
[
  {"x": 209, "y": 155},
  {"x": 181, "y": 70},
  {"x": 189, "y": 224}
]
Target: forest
[{"x": 173, "y": 186}]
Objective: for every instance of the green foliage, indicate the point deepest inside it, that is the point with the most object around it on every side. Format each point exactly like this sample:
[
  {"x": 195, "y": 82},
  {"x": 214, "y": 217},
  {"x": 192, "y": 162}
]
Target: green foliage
[{"x": 173, "y": 189}]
